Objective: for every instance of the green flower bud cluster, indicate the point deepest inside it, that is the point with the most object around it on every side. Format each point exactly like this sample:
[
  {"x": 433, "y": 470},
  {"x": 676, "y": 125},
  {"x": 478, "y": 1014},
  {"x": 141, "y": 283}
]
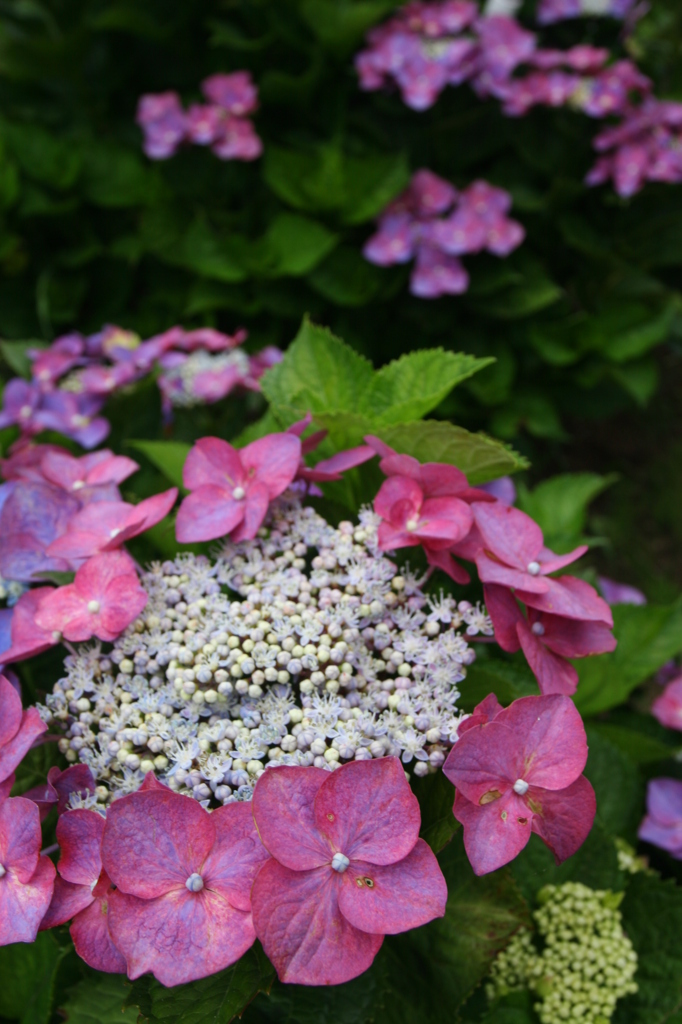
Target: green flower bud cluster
[
  {"x": 587, "y": 962},
  {"x": 628, "y": 859}
]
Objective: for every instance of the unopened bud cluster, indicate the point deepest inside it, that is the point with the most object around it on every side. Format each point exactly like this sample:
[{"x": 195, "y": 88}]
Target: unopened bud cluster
[
  {"x": 179, "y": 378},
  {"x": 305, "y": 646},
  {"x": 587, "y": 962},
  {"x": 11, "y": 591}
]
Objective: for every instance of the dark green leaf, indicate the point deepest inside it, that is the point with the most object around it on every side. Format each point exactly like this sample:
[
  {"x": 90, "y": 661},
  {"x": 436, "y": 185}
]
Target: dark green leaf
[
  {"x": 15, "y": 353},
  {"x": 168, "y": 456},
  {"x": 559, "y": 506},
  {"x": 436, "y": 796},
  {"x": 60, "y": 579},
  {"x": 506, "y": 679},
  {"x": 617, "y": 785},
  {"x": 100, "y": 999},
  {"x": 594, "y": 864},
  {"x": 29, "y": 971},
  {"x": 293, "y": 246},
  {"x": 637, "y": 745}
]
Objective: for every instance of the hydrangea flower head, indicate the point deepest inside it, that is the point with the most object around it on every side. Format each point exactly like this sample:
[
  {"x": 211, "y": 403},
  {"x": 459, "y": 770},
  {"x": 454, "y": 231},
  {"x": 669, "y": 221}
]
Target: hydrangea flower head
[
  {"x": 347, "y": 868},
  {"x": 183, "y": 877},
  {"x": 518, "y": 770}
]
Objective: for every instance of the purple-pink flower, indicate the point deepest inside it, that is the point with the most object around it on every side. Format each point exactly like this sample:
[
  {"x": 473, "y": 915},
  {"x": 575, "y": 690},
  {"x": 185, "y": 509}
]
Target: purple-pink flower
[
  {"x": 662, "y": 825},
  {"x": 26, "y": 878},
  {"x": 645, "y": 146},
  {"x": 518, "y": 770},
  {"x": 104, "y": 598},
  {"x": 231, "y": 489},
  {"x": 181, "y": 908},
  {"x": 668, "y": 707},
  {"x": 19, "y": 729},
  {"x": 347, "y": 868},
  {"x": 550, "y": 11}
]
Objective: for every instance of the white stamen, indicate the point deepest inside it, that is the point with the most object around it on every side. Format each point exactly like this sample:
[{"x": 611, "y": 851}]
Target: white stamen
[
  {"x": 520, "y": 787},
  {"x": 56, "y": 635},
  {"x": 340, "y": 862},
  {"x": 93, "y": 607},
  {"x": 533, "y": 568},
  {"x": 115, "y": 532},
  {"x": 238, "y": 493},
  {"x": 195, "y": 883},
  {"x": 538, "y": 629},
  {"x": 25, "y": 411},
  {"x": 3, "y": 870},
  {"x": 78, "y": 484},
  {"x": 412, "y": 524}
]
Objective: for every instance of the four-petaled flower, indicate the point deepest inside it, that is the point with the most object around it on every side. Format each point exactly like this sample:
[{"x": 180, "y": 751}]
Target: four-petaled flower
[
  {"x": 347, "y": 868},
  {"x": 517, "y": 770},
  {"x": 183, "y": 877},
  {"x": 231, "y": 489}
]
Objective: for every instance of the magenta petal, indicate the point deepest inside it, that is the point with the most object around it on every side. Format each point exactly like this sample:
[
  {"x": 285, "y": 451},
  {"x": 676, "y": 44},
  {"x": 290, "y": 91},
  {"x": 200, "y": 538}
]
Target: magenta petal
[
  {"x": 397, "y": 489},
  {"x": 153, "y": 841},
  {"x": 492, "y": 571},
  {"x": 255, "y": 510},
  {"x": 485, "y": 712},
  {"x": 10, "y": 711},
  {"x": 273, "y": 461},
  {"x": 444, "y": 560},
  {"x": 236, "y": 857},
  {"x": 563, "y": 818},
  {"x": 556, "y": 562},
  {"x": 553, "y": 673},
  {"x": 283, "y": 808},
  {"x": 207, "y": 513},
  {"x": 401, "y": 896},
  {"x": 495, "y": 833},
  {"x": 552, "y": 735},
  {"x": 571, "y": 598},
  {"x": 179, "y": 937},
  {"x": 367, "y": 810},
  {"x": 573, "y": 638},
  {"x": 68, "y": 899},
  {"x": 23, "y": 905},
  {"x": 92, "y": 938},
  {"x": 485, "y": 761},
  {"x": 212, "y": 461},
  {"x": 304, "y": 934},
  {"x": 79, "y": 834},
  {"x": 510, "y": 534},
  {"x": 32, "y": 726},
  {"x": 505, "y": 613}
]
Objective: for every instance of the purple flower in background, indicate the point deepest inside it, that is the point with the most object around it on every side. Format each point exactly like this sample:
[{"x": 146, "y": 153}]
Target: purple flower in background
[
  {"x": 52, "y": 363},
  {"x": 620, "y": 593},
  {"x": 503, "y": 489},
  {"x": 204, "y": 124},
  {"x": 550, "y": 11},
  {"x": 662, "y": 825},
  {"x": 33, "y": 515},
  {"x": 163, "y": 122},
  {"x": 645, "y": 146},
  {"x": 235, "y": 93},
  {"x": 75, "y": 416},
  {"x": 436, "y": 225},
  {"x": 21, "y": 401},
  {"x": 237, "y": 140}
]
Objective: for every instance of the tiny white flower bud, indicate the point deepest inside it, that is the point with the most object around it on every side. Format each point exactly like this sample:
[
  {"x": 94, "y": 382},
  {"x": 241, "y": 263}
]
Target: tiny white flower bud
[
  {"x": 93, "y": 607},
  {"x": 195, "y": 883},
  {"x": 340, "y": 862},
  {"x": 533, "y": 568},
  {"x": 520, "y": 786}
]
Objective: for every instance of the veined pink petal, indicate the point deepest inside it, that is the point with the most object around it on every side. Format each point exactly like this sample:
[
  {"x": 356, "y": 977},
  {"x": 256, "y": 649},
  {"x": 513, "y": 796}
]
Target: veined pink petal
[
  {"x": 213, "y": 462},
  {"x": 27, "y": 637},
  {"x": 367, "y": 811},
  {"x": 255, "y": 510},
  {"x": 563, "y": 818},
  {"x": 571, "y": 598},
  {"x": 283, "y": 809},
  {"x": 304, "y": 934},
  {"x": 92, "y": 938},
  {"x": 552, "y": 734},
  {"x": 505, "y": 613},
  {"x": 485, "y": 762},
  {"x": 65, "y": 612},
  {"x": 397, "y": 897},
  {"x": 444, "y": 560},
  {"x": 123, "y": 601},
  {"x": 273, "y": 461},
  {"x": 11, "y": 755},
  {"x": 552, "y": 563},
  {"x": 398, "y": 489},
  {"x": 495, "y": 833},
  {"x": 510, "y": 534},
  {"x": 115, "y": 470},
  {"x": 23, "y": 905},
  {"x": 68, "y": 899},
  {"x": 668, "y": 707},
  {"x": 572, "y": 638},
  {"x": 154, "y": 841},
  {"x": 10, "y": 711},
  {"x": 391, "y": 538},
  {"x": 485, "y": 712},
  {"x": 179, "y": 937},
  {"x": 20, "y": 838},
  {"x": 553, "y": 673},
  {"x": 79, "y": 834},
  {"x": 490, "y": 570},
  {"x": 236, "y": 857},
  {"x": 207, "y": 513}
]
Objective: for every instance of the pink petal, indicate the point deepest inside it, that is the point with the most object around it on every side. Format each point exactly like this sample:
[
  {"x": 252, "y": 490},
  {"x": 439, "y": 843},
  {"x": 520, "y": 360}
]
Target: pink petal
[
  {"x": 332, "y": 468},
  {"x": 484, "y": 762},
  {"x": 68, "y": 899},
  {"x": 255, "y": 510},
  {"x": 485, "y": 712},
  {"x": 444, "y": 560},
  {"x": 27, "y": 637},
  {"x": 213, "y": 462},
  {"x": 20, "y": 837},
  {"x": 563, "y": 818},
  {"x": 552, "y": 563},
  {"x": 236, "y": 857},
  {"x": 367, "y": 810},
  {"x": 152, "y": 510},
  {"x": 668, "y": 707},
  {"x": 151, "y": 782},
  {"x": 404, "y": 895},
  {"x": 553, "y": 673},
  {"x": 94, "y": 577},
  {"x": 505, "y": 613},
  {"x": 13, "y": 753},
  {"x": 113, "y": 470},
  {"x": 273, "y": 461},
  {"x": 10, "y": 711},
  {"x": 283, "y": 809},
  {"x": 572, "y": 598},
  {"x": 304, "y": 934},
  {"x": 179, "y": 937},
  {"x": 6, "y": 788},
  {"x": 123, "y": 601},
  {"x": 510, "y": 534},
  {"x": 79, "y": 834},
  {"x": 23, "y": 905},
  {"x": 207, "y": 513},
  {"x": 492, "y": 571},
  {"x": 572, "y": 638},
  {"x": 451, "y": 511},
  {"x": 154, "y": 841},
  {"x": 377, "y": 445},
  {"x": 92, "y": 938},
  {"x": 553, "y": 738},
  {"x": 391, "y": 538},
  {"x": 495, "y": 833},
  {"x": 439, "y": 480},
  {"x": 65, "y": 611},
  {"x": 398, "y": 489}
]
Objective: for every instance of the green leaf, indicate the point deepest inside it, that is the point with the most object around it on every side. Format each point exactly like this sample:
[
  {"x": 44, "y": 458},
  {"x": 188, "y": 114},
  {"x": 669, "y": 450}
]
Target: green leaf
[
  {"x": 60, "y": 579},
  {"x": 217, "y": 999},
  {"x": 652, "y": 918},
  {"x": 29, "y": 971},
  {"x": 15, "y": 354},
  {"x": 594, "y": 864},
  {"x": 638, "y": 746},
  {"x": 506, "y": 679},
  {"x": 617, "y": 785},
  {"x": 481, "y": 457},
  {"x": 44, "y": 155},
  {"x": 293, "y": 246},
  {"x": 534, "y": 292},
  {"x": 100, "y": 999},
  {"x": 117, "y": 177},
  {"x": 633, "y": 339},
  {"x": 639, "y": 378},
  {"x": 167, "y": 456},
  {"x": 341, "y": 24},
  {"x": 346, "y": 278},
  {"x": 207, "y": 253},
  {"x": 559, "y": 506},
  {"x": 648, "y": 636},
  {"x": 436, "y": 797},
  {"x": 318, "y": 373},
  {"x": 412, "y": 386}
]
